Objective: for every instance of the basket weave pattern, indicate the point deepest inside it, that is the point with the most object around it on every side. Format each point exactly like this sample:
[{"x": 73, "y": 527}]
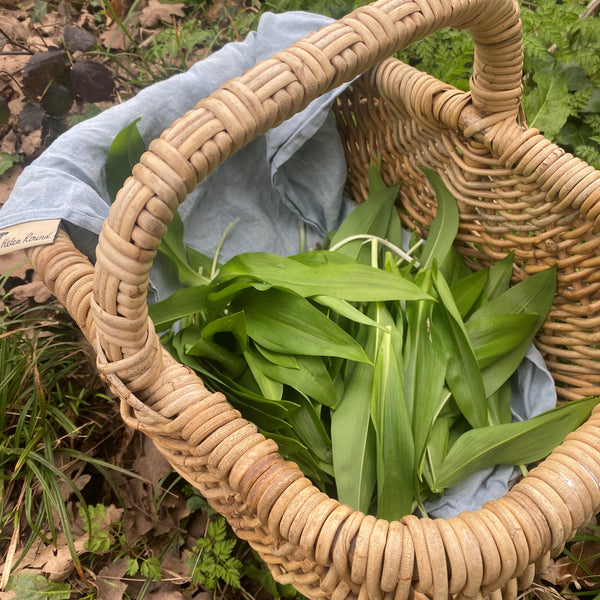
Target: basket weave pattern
[{"x": 517, "y": 192}]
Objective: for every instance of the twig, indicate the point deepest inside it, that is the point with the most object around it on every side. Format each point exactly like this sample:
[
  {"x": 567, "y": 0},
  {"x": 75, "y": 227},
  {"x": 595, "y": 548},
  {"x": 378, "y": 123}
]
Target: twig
[{"x": 590, "y": 9}]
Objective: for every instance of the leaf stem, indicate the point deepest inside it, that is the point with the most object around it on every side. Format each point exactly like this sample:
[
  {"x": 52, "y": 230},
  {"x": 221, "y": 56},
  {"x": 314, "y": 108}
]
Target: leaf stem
[
  {"x": 363, "y": 236},
  {"x": 213, "y": 270}
]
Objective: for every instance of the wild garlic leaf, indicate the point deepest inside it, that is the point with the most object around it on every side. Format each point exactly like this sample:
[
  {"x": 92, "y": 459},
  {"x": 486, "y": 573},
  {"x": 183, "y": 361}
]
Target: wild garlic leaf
[
  {"x": 521, "y": 442},
  {"x": 368, "y": 283},
  {"x": 392, "y": 424},
  {"x": 532, "y": 295},
  {"x": 181, "y": 303},
  {"x": 467, "y": 290},
  {"x": 309, "y": 428},
  {"x": 463, "y": 374},
  {"x": 300, "y": 329},
  {"x": 355, "y": 463},
  {"x": 444, "y": 227},
  {"x": 499, "y": 275},
  {"x": 494, "y": 336},
  {"x": 311, "y": 378},
  {"x": 123, "y": 154},
  {"x": 372, "y": 217}
]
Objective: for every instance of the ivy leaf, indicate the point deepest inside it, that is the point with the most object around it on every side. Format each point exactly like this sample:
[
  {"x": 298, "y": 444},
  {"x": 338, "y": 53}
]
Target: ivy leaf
[{"x": 547, "y": 106}]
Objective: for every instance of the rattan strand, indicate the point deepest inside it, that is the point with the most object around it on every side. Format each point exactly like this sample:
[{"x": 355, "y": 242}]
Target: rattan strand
[{"x": 517, "y": 192}]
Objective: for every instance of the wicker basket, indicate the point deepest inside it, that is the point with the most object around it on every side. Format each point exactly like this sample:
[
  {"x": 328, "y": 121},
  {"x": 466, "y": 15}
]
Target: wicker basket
[{"x": 517, "y": 192}]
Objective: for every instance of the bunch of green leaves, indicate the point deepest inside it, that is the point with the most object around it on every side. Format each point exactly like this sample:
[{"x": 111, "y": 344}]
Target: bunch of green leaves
[
  {"x": 212, "y": 560},
  {"x": 384, "y": 375}
]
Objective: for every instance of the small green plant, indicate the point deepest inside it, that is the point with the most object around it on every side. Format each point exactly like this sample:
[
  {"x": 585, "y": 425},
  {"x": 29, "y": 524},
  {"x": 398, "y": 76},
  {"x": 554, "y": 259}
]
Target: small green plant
[
  {"x": 100, "y": 537},
  {"x": 213, "y": 562}
]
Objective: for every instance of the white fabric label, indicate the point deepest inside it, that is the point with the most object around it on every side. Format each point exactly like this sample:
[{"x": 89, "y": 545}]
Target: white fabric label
[{"x": 26, "y": 235}]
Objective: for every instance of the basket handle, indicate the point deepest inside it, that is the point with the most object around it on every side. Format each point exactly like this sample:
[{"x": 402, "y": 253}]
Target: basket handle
[{"x": 248, "y": 106}]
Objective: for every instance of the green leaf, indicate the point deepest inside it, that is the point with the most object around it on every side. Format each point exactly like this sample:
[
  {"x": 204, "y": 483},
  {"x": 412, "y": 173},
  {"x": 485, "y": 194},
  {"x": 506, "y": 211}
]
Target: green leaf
[
  {"x": 310, "y": 378},
  {"x": 233, "y": 325},
  {"x": 496, "y": 335},
  {"x": 522, "y": 442},
  {"x": 547, "y": 105},
  {"x": 173, "y": 247},
  {"x": 499, "y": 410},
  {"x": 123, "y": 154},
  {"x": 372, "y": 217},
  {"x": 287, "y": 323},
  {"x": 231, "y": 363},
  {"x": 30, "y": 586},
  {"x": 444, "y": 227},
  {"x": 499, "y": 275},
  {"x": 7, "y": 161},
  {"x": 307, "y": 424},
  {"x": 344, "y": 309},
  {"x": 392, "y": 424},
  {"x": 352, "y": 434},
  {"x": 270, "y": 388},
  {"x": 466, "y": 291},
  {"x": 278, "y": 358},
  {"x": 368, "y": 283},
  {"x": 181, "y": 303},
  {"x": 532, "y": 295},
  {"x": 463, "y": 375}
]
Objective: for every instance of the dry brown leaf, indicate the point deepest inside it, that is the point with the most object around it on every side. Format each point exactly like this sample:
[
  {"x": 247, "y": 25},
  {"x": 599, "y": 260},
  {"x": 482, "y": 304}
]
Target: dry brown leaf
[
  {"x": 12, "y": 28},
  {"x": 568, "y": 572},
  {"x": 31, "y": 143},
  {"x": 35, "y": 290},
  {"x": 9, "y": 144},
  {"x": 7, "y": 182},
  {"x": 113, "y": 38},
  {"x": 165, "y": 590},
  {"x": 109, "y": 580},
  {"x": 151, "y": 465},
  {"x": 16, "y": 263},
  {"x": 156, "y": 12}
]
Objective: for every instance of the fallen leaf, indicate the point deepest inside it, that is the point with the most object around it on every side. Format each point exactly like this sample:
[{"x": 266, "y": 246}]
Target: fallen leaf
[
  {"x": 113, "y": 38},
  {"x": 31, "y": 142},
  {"x": 109, "y": 580},
  {"x": 151, "y": 465},
  {"x": 165, "y": 591},
  {"x": 156, "y": 12},
  {"x": 12, "y": 28},
  {"x": 15, "y": 263}
]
